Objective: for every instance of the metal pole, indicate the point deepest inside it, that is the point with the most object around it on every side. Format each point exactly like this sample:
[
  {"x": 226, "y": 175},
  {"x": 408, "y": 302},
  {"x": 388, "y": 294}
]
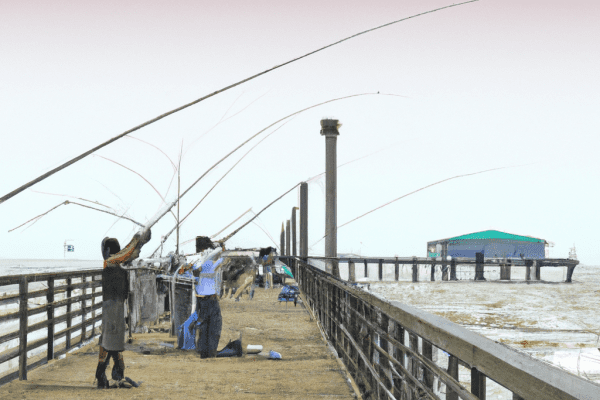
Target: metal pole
[
  {"x": 287, "y": 238},
  {"x": 329, "y": 129},
  {"x": 282, "y": 241},
  {"x": 294, "y": 231},
  {"x": 304, "y": 219}
]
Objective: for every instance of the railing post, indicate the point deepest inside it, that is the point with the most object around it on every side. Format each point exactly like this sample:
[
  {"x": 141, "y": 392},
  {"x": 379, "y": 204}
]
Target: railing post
[
  {"x": 380, "y": 269},
  {"x": 398, "y": 334},
  {"x": 23, "y": 311},
  {"x": 453, "y": 270},
  {"x": 396, "y": 270},
  {"x": 413, "y": 364},
  {"x": 415, "y": 270},
  {"x": 453, "y": 372},
  {"x": 50, "y": 316},
  {"x": 366, "y": 268},
  {"x": 94, "y": 306},
  {"x": 69, "y": 307},
  {"x": 351, "y": 272},
  {"x": 83, "y": 304},
  {"x": 477, "y": 383},
  {"x": 428, "y": 354}
]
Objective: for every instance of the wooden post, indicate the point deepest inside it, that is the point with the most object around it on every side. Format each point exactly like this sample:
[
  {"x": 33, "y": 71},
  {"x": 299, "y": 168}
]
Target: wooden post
[
  {"x": 94, "y": 306},
  {"x": 415, "y": 270},
  {"x": 23, "y": 313},
  {"x": 433, "y": 272},
  {"x": 453, "y": 270},
  {"x": 504, "y": 270},
  {"x": 396, "y": 270},
  {"x": 50, "y": 316},
  {"x": 380, "y": 269},
  {"x": 83, "y": 301},
  {"x": 453, "y": 372},
  {"x": 398, "y": 354},
  {"x": 477, "y": 383},
  {"x": 69, "y": 306},
  {"x": 413, "y": 364},
  {"x": 479, "y": 261},
  {"x": 428, "y": 354},
  {"x": 351, "y": 272},
  {"x": 366, "y": 269},
  {"x": 537, "y": 267}
]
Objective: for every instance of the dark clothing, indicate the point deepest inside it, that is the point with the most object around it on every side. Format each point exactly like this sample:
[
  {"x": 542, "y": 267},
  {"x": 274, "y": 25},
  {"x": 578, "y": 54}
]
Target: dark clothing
[
  {"x": 210, "y": 324},
  {"x": 115, "y": 289},
  {"x": 115, "y": 284}
]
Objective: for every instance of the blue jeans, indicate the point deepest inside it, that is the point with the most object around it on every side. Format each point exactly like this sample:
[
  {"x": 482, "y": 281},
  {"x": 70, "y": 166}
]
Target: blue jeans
[{"x": 210, "y": 324}]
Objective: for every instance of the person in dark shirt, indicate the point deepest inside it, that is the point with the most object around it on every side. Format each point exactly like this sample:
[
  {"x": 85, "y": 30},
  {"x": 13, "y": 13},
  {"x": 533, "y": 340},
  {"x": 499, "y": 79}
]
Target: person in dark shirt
[{"x": 115, "y": 290}]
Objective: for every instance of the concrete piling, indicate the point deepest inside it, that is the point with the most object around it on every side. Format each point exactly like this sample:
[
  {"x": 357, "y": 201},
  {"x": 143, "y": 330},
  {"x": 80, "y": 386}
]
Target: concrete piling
[{"x": 329, "y": 129}]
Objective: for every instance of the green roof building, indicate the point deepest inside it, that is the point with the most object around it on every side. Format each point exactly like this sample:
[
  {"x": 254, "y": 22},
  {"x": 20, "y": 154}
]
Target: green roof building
[{"x": 491, "y": 243}]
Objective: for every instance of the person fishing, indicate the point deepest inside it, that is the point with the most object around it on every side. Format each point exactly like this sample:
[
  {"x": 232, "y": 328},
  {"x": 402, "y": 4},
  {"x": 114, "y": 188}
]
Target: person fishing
[{"x": 115, "y": 290}]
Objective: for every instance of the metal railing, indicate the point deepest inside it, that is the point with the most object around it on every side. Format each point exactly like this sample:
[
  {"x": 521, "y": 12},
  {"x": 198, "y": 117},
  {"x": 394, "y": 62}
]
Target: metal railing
[
  {"x": 389, "y": 347},
  {"x": 60, "y": 299}
]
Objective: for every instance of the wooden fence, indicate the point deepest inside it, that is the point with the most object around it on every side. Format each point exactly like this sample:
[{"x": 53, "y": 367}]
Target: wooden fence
[
  {"x": 389, "y": 348},
  {"x": 60, "y": 299}
]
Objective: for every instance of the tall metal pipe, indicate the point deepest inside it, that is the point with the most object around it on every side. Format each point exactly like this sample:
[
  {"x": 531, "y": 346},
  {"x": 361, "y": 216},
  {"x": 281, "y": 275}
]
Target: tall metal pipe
[
  {"x": 304, "y": 219},
  {"x": 294, "y": 253},
  {"x": 287, "y": 238},
  {"x": 282, "y": 241},
  {"x": 329, "y": 129}
]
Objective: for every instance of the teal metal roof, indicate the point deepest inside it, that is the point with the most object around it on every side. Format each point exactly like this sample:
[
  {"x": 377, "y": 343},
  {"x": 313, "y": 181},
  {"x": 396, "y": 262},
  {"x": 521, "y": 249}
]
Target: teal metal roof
[{"x": 491, "y": 234}]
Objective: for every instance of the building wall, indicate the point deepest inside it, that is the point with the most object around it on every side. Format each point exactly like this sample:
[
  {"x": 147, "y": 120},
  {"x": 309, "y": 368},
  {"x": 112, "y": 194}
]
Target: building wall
[{"x": 496, "y": 248}]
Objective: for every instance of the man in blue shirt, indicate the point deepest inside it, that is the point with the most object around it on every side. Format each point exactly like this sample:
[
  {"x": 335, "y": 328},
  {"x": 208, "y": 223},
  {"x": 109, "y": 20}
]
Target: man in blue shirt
[{"x": 207, "y": 304}]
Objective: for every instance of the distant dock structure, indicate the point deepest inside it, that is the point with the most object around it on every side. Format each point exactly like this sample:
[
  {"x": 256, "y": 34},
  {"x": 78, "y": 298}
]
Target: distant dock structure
[{"x": 491, "y": 243}]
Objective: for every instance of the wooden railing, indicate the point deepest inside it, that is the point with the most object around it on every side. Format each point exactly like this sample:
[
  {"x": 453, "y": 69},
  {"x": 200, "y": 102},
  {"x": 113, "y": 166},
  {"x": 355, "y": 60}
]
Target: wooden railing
[
  {"x": 62, "y": 298},
  {"x": 389, "y": 348}
]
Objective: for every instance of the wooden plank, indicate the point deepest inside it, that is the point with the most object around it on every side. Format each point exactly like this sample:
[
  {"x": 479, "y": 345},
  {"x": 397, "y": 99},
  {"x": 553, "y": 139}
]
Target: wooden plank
[
  {"x": 15, "y": 279},
  {"x": 23, "y": 286},
  {"x": 428, "y": 354}
]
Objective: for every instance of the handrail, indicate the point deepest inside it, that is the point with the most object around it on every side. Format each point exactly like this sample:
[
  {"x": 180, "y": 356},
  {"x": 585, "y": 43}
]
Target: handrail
[
  {"x": 369, "y": 334},
  {"x": 91, "y": 289}
]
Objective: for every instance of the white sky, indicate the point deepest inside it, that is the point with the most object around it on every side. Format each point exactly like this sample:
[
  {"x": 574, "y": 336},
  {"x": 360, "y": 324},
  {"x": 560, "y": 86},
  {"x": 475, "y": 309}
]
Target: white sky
[{"x": 488, "y": 84}]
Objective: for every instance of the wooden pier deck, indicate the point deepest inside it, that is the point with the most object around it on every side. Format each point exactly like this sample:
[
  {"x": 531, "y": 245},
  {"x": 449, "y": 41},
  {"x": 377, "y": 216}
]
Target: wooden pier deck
[{"x": 308, "y": 369}]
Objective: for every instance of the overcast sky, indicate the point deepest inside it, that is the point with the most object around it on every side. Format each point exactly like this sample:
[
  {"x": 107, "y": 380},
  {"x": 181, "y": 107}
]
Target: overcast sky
[{"x": 485, "y": 85}]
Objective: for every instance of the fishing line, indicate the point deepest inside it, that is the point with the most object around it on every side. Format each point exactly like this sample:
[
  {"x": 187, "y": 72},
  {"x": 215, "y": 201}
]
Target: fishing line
[
  {"x": 87, "y": 153},
  {"x": 423, "y": 188}
]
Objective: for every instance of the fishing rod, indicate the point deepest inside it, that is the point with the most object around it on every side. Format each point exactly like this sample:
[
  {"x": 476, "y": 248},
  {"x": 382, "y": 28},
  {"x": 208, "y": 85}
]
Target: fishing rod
[
  {"x": 164, "y": 238},
  {"x": 67, "y": 202},
  {"x": 158, "y": 118}
]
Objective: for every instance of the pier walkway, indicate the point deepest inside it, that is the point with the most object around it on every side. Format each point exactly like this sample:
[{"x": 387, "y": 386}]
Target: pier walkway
[{"x": 308, "y": 370}]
